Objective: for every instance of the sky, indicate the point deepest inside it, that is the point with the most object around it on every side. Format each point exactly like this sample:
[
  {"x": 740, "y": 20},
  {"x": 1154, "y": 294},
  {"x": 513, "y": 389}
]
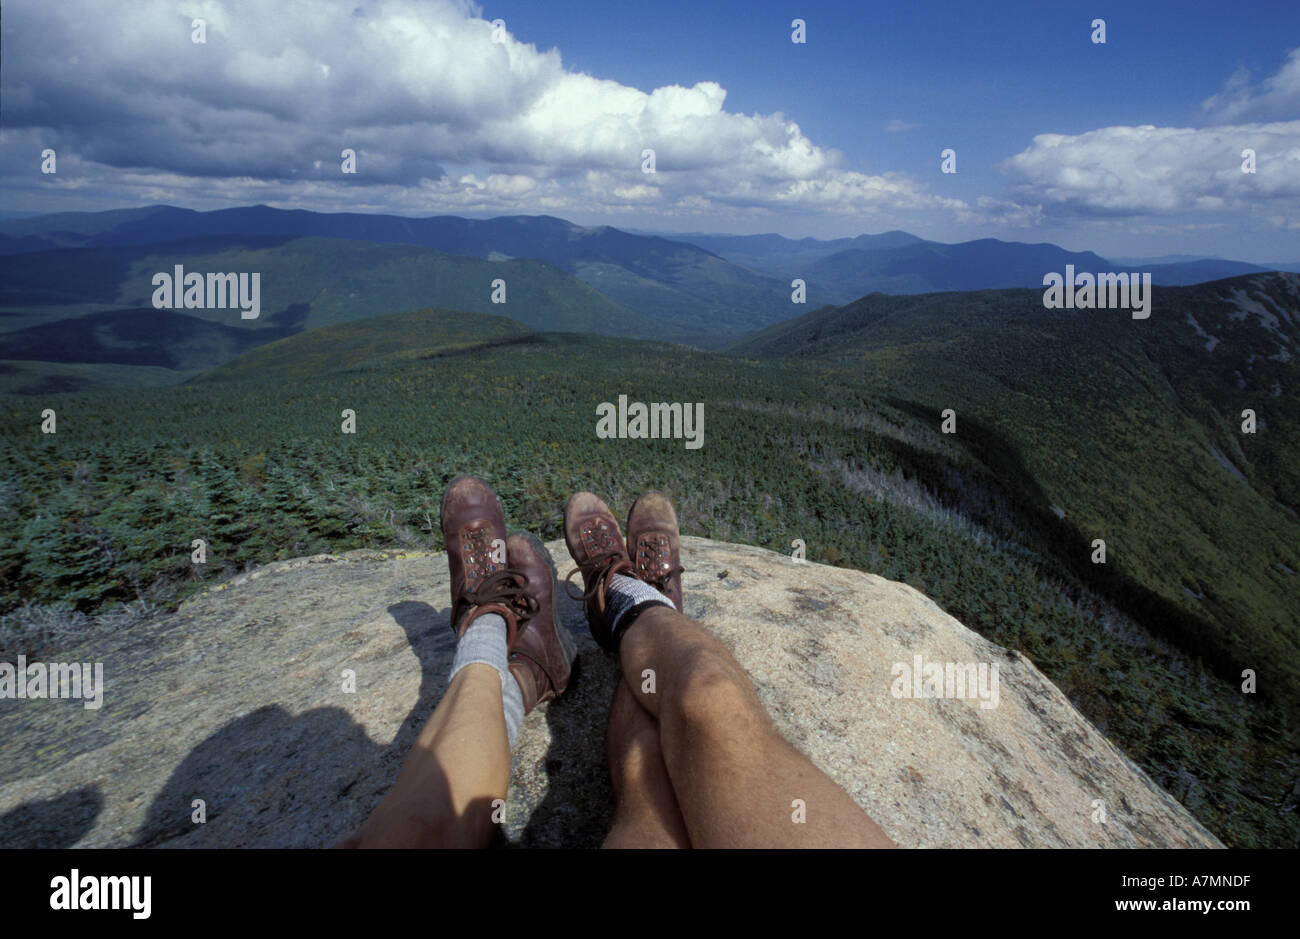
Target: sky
[{"x": 1131, "y": 147}]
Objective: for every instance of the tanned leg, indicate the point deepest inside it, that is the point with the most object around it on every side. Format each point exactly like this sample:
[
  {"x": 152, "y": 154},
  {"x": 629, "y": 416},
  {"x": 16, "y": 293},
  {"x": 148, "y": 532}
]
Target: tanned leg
[
  {"x": 458, "y": 765},
  {"x": 736, "y": 780},
  {"x": 734, "y": 776},
  {"x": 646, "y": 813}
]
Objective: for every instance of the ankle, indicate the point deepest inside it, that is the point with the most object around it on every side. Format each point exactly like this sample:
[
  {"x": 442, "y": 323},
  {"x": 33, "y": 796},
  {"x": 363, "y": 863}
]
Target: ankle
[{"x": 627, "y": 599}]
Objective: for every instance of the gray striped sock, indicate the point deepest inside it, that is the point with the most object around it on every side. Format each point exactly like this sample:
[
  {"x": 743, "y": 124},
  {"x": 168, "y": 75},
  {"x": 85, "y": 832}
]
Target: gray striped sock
[
  {"x": 484, "y": 643},
  {"x": 623, "y": 595}
]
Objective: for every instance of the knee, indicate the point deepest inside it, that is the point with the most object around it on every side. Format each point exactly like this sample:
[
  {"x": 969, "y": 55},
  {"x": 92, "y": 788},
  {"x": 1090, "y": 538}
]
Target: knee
[
  {"x": 423, "y": 823},
  {"x": 713, "y": 688},
  {"x": 401, "y": 829}
]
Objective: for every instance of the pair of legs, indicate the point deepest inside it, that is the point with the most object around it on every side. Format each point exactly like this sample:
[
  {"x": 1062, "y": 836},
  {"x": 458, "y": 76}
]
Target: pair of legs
[
  {"x": 698, "y": 763},
  {"x": 694, "y": 759}
]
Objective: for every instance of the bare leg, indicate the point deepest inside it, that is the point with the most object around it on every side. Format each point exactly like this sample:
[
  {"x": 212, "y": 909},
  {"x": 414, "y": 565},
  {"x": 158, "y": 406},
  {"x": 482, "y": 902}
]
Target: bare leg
[
  {"x": 735, "y": 778},
  {"x": 458, "y": 765},
  {"x": 646, "y": 813}
]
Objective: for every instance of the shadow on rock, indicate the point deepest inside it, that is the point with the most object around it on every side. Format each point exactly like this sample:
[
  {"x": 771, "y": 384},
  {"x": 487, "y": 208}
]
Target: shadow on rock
[
  {"x": 52, "y": 823},
  {"x": 578, "y": 808},
  {"x": 272, "y": 779}
]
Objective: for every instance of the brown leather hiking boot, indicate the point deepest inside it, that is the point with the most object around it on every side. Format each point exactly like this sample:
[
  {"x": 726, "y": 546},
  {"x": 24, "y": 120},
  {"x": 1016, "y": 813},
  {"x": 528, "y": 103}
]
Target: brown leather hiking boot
[
  {"x": 597, "y": 547},
  {"x": 542, "y": 655},
  {"x": 474, "y": 528},
  {"x": 654, "y": 545}
]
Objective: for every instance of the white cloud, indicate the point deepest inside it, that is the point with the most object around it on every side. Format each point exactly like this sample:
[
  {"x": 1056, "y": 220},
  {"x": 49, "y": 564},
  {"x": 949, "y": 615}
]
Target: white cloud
[
  {"x": 1157, "y": 170},
  {"x": 441, "y": 118},
  {"x": 1277, "y": 98},
  {"x": 1000, "y": 212},
  {"x": 1125, "y": 172}
]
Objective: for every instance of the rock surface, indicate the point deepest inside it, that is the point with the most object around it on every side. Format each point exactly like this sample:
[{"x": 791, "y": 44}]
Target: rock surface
[{"x": 237, "y": 699}]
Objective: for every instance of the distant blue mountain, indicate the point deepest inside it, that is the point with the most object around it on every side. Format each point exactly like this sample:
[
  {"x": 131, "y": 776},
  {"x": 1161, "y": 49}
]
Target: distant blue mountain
[
  {"x": 928, "y": 266},
  {"x": 897, "y": 262},
  {"x": 724, "y": 284},
  {"x": 1186, "y": 273},
  {"x": 1134, "y": 262}
]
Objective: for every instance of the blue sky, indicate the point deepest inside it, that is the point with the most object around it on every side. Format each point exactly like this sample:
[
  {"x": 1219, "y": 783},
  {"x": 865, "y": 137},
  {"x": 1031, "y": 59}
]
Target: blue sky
[
  {"x": 1151, "y": 123},
  {"x": 987, "y": 76},
  {"x": 983, "y": 79}
]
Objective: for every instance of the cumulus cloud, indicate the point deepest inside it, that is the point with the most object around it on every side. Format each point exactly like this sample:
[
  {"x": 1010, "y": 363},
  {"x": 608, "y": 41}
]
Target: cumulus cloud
[
  {"x": 1149, "y": 171},
  {"x": 1157, "y": 170},
  {"x": 441, "y": 117}
]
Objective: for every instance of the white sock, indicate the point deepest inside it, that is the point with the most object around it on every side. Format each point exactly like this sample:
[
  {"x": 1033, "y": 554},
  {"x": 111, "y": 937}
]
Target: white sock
[{"x": 484, "y": 643}]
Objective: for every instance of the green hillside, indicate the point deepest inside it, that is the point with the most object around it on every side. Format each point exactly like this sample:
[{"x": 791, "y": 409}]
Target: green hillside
[
  {"x": 702, "y": 300},
  {"x": 694, "y": 295},
  {"x": 311, "y": 282},
  {"x": 35, "y": 377},
  {"x": 137, "y": 337},
  {"x": 1120, "y": 429},
  {"x": 346, "y": 280},
  {"x": 383, "y": 342},
  {"x": 846, "y": 455}
]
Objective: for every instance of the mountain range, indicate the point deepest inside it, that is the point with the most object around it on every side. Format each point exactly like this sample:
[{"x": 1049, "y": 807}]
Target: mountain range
[
  {"x": 320, "y": 268},
  {"x": 689, "y": 291},
  {"x": 898, "y": 262}
]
